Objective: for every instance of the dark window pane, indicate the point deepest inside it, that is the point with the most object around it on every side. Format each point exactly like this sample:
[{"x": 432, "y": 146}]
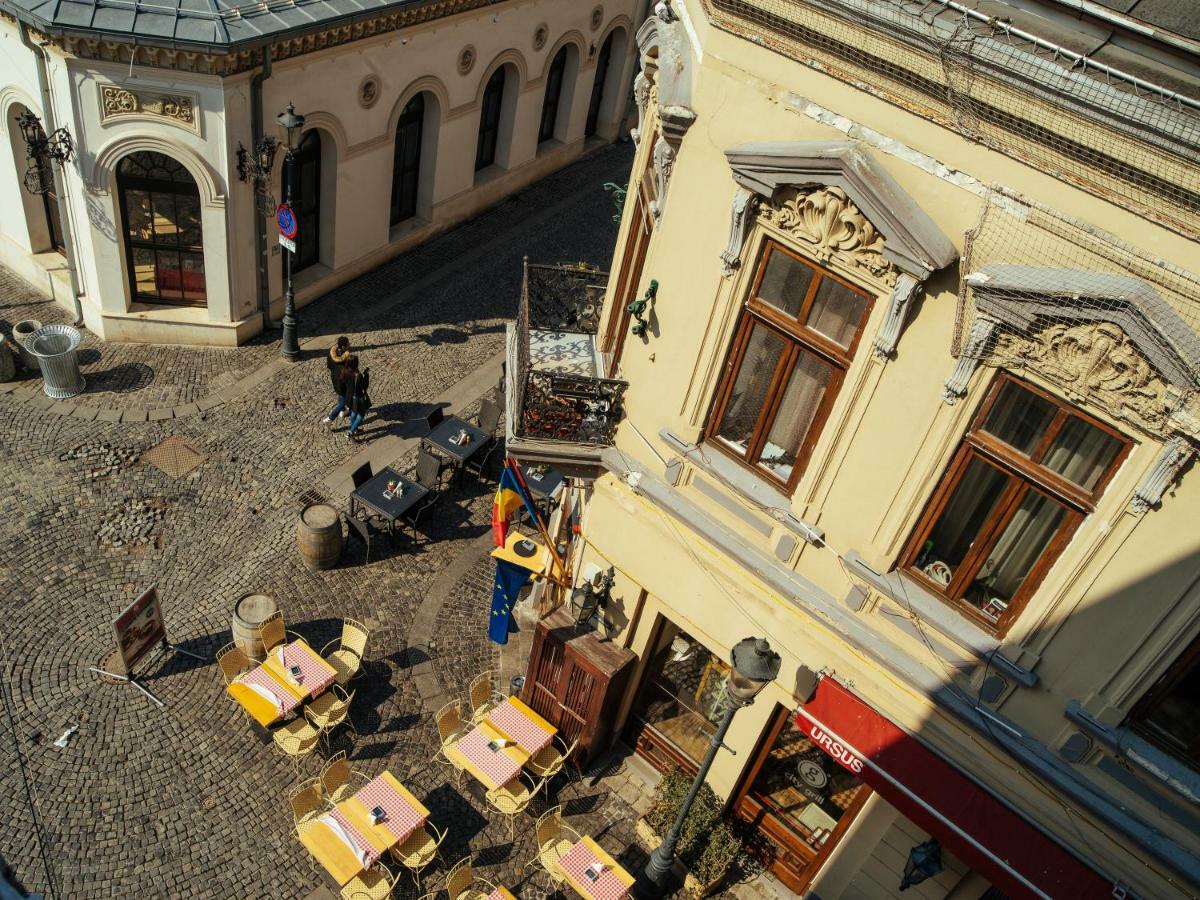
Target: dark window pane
[
  {"x": 1021, "y": 544},
  {"x": 550, "y": 101},
  {"x": 170, "y": 280},
  {"x": 750, "y": 389},
  {"x": 593, "y": 114},
  {"x": 836, "y": 312},
  {"x": 489, "y": 120},
  {"x": 785, "y": 283},
  {"x": 138, "y": 221},
  {"x": 956, "y": 529},
  {"x": 1176, "y": 717},
  {"x": 166, "y": 231},
  {"x": 187, "y": 209},
  {"x": 1081, "y": 452},
  {"x": 804, "y": 392},
  {"x": 684, "y": 695},
  {"x": 1019, "y": 417},
  {"x": 193, "y": 276},
  {"x": 144, "y": 272}
]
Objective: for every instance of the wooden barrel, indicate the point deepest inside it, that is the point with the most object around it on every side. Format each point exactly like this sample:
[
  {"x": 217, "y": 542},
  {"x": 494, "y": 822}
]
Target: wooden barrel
[
  {"x": 248, "y": 614},
  {"x": 319, "y": 536}
]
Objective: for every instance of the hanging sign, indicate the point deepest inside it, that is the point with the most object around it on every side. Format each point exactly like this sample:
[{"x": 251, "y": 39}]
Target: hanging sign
[
  {"x": 139, "y": 628},
  {"x": 289, "y": 225}
]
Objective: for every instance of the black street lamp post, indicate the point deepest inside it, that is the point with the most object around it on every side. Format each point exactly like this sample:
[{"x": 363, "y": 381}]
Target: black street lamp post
[
  {"x": 291, "y": 123},
  {"x": 755, "y": 665}
]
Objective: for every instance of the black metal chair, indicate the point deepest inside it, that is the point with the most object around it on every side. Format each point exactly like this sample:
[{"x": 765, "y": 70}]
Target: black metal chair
[
  {"x": 365, "y": 532},
  {"x": 429, "y": 476},
  {"x": 362, "y": 475},
  {"x": 488, "y": 421}
]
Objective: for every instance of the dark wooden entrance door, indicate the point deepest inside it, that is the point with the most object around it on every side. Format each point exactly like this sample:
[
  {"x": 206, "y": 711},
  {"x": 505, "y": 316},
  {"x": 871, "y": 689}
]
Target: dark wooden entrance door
[{"x": 306, "y": 200}]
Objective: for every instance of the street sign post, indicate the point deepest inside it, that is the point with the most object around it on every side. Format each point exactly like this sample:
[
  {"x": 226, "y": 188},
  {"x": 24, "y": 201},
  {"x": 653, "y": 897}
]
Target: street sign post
[{"x": 288, "y": 243}]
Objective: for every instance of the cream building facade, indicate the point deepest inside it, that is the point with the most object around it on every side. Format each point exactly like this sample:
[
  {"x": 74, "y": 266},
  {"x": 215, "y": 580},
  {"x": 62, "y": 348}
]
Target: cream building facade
[
  {"x": 913, "y": 395},
  {"x": 418, "y": 115}
]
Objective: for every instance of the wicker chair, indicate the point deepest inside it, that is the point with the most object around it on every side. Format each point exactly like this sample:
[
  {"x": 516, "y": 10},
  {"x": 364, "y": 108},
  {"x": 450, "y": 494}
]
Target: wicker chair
[
  {"x": 419, "y": 850},
  {"x": 483, "y": 696},
  {"x": 377, "y": 883},
  {"x": 461, "y": 880},
  {"x": 330, "y": 711},
  {"x": 337, "y": 778},
  {"x": 347, "y": 659},
  {"x": 513, "y": 798},
  {"x": 554, "y": 839},
  {"x": 550, "y": 761},
  {"x": 233, "y": 662},
  {"x": 307, "y": 803},
  {"x": 296, "y": 740},
  {"x": 450, "y": 725}
]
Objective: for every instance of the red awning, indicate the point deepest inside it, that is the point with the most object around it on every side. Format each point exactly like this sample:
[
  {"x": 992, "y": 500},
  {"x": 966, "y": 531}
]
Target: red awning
[{"x": 970, "y": 822}]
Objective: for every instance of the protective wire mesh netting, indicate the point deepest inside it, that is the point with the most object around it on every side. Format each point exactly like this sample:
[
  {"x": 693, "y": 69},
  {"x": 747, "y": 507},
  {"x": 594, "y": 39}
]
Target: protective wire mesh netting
[
  {"x": 1087, "y": 310},
  {"x": 1114, "y": 133}
]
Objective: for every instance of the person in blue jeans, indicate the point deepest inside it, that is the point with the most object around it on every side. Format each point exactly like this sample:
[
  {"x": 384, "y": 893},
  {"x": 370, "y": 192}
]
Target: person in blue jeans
[
  {"x": 358, "y": 401},
  {"x": 339, "y": 354}
]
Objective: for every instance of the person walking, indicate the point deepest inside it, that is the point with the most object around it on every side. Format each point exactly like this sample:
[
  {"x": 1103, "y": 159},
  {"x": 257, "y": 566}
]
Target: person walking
[
  {"x": 355, "y": 384},
  {"x": 339, "y": 354}
]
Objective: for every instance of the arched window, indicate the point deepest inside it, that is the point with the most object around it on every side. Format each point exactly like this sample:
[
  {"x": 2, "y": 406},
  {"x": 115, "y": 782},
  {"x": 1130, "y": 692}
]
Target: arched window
[
  {"x": 554, "y": 84},
  {"x": 593, "y": 115},
  {"x": 306, "y": 199},
  {"x": 164, "y": 245},
  {"x": 489, "y": 120},
  {"x": 406, "y": 164}
]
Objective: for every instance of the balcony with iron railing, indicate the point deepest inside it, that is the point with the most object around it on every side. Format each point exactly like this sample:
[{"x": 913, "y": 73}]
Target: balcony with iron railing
[{"x": 561, "y": 411}]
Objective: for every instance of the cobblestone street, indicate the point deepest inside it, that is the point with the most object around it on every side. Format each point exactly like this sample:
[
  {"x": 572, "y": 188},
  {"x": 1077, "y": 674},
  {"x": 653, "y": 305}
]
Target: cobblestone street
[{"x": 187, "y": 801}]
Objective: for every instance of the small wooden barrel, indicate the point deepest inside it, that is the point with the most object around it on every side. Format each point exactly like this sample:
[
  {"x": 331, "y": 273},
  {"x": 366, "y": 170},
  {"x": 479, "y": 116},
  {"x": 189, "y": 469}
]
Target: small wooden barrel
[
  {"x": 319, "y": 536},
  {"x": 248, "y": 614}
]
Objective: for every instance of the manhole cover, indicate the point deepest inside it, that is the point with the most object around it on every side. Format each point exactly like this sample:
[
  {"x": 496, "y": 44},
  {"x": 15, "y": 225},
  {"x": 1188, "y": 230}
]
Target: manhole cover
[
  {"x": 109, "y": 665},
  {"x": 175, "y": 456}
]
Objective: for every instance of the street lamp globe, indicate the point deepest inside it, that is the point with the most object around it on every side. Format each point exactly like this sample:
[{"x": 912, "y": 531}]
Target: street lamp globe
[
  {"x": 291, "y": 122},
  {"x": 755, "y": 665}
]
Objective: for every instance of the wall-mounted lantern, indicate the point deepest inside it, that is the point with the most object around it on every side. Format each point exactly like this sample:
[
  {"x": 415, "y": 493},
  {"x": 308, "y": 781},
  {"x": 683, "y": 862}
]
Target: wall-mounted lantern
[
  {"x": 924, "y": 861},
  {"x": 39, "y": 148},
  {"x": 255, "y": 167},
  {"x": 637, "y": 308}
]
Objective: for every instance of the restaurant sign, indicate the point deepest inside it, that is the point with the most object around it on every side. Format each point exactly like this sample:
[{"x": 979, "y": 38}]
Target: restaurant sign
[{"x": 139, "y": 628}]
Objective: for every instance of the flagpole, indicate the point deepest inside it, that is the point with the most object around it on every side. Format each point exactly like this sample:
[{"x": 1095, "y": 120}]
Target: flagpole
[{"x": 561, "y": 580}]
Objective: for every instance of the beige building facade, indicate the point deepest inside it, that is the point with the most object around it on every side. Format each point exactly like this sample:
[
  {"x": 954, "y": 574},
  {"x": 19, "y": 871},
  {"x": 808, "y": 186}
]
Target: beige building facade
[
  {"x": 912, "y": 396},
  {"x": 417, "y": 116}
]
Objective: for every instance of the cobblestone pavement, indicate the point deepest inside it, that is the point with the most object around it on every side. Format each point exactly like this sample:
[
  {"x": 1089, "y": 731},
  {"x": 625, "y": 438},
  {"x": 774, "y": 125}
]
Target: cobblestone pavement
[{"x": 187, "y": 801}]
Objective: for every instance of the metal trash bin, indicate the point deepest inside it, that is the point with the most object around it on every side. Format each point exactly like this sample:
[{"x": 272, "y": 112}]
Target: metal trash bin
[
  {"x": 21, "y": 333},
  {"x": 516, "y": 685},
  {"x": 57, "y": 350}
]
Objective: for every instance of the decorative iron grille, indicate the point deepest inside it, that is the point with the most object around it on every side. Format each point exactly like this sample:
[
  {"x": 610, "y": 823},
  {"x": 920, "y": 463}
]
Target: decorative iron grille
[
  {"x": 572, "y": 408},
  {"x": 565, "y": 297}
]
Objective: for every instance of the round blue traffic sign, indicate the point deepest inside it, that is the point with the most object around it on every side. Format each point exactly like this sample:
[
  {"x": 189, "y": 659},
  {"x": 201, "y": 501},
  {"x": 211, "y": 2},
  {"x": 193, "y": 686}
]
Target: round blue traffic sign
[{"x": 288, "y": 226}]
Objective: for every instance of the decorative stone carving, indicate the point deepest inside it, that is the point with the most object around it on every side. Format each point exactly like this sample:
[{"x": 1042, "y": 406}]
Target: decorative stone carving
[
  {"x": 540, "y": 35},
  {"x": 117, "y": 101},
  {"x": 1174, "y": 455},
  {"x": 466, "y": 59},
  {"x": 597, "y": 18},
  {"x": 827, "y": 223},
  {"x": 641, "y": 96},
  {"x": 664, "y": 163},
  {"x": 902, "y": 296},
  {"x": 742, "y": 216},
  {"x": 974, "y": 347},
  {"x": 368, "y": 91},
  {"x": 663, "y": 10}
]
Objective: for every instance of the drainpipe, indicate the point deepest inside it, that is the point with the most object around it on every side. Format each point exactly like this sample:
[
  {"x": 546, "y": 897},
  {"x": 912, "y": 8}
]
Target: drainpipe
[
  {"x": 260, "y": 219},
  {"x": 60, "y": 180}
]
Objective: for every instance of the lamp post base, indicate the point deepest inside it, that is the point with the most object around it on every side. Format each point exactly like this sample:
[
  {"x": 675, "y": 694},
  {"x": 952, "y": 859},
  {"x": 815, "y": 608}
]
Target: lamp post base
[
  {"x": 289, "y": 346},
  {"x": 655, "y": 879}
]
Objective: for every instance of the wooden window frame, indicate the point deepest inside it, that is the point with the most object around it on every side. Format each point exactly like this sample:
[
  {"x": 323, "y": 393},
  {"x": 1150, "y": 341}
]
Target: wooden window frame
[
  {"x": 410, "y": 126},
  {"x": 491, "y": 113},
  {"x": 801, "y": 339},
  {"x": 633, "y": 259},
  {"x": 1026, "y": 474},
  {"x": 552, "y": 98},
  {"x": 1188, "y": 661}
]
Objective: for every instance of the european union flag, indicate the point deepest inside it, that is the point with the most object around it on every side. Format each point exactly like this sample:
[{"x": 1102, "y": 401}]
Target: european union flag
[{"x": 510, "y": 578}]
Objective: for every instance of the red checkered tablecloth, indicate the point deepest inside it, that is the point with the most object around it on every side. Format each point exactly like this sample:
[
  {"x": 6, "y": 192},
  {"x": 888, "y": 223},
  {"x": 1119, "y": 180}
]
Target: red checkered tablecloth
[
  {"x": 518, "y": 726},
  {"x": 364, "y": 846},
  {"x": 399, "y": 816},
  {"x": 260, "y": 677},
  {"x": 315, "y": 676},
  {"x": 607, "y": 887},
  {"x": 496, "y": 765}
]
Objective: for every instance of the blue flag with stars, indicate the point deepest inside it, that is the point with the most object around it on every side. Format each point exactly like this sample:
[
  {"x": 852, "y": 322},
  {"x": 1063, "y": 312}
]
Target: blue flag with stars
[{"x": 510, "y": 578}]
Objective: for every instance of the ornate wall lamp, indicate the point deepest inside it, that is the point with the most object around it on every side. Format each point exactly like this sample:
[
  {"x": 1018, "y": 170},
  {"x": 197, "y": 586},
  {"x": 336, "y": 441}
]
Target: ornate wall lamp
[
  {"x": 637, "y": 309},
  {"x": 255, "y": 167},
  {"x": 38, "y": 148},
  {"x": 592, "y": 595}
]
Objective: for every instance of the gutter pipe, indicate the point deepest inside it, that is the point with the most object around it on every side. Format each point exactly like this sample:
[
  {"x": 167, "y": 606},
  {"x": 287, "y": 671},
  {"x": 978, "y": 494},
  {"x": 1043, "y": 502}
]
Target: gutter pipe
[
  {"x": 60, "y": 181},
  {"x": 260, "y": 218}
]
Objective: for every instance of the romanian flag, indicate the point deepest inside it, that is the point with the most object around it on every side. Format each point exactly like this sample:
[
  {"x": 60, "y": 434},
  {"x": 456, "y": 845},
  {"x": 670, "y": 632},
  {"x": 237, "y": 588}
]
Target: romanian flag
[{"x": 509, "y": 497}]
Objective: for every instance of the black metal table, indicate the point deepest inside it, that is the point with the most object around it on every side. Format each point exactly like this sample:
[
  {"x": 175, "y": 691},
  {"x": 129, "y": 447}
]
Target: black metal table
[
  {"x": 373, "y": 496},
  {"x": 546, "y": 486},
  {"x": 440, "y": 440}
]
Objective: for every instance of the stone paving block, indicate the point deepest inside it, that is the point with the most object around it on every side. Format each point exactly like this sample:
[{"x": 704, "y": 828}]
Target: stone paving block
[
  {"x": 210, "y": 402},
  {"x": 134, "y": 415},
  {"x": 159, "y": 415},
  {"x": 188, "y": 409},
  {"x": 63, "y": 408},
  {"x": 87, "y": 413},
  {"x": 108, "y": 414}
]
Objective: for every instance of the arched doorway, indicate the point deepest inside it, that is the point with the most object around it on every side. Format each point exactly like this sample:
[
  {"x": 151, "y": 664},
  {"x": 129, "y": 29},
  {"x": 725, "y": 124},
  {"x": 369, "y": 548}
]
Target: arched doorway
[
  {"x": 489, "y": 119},
  {"x": 164, "y": 242},
  {"x": 553, "y": 97},
  {"x": 406, "y": 165},
  {"x": 305, "y": 180},
  {"x": 602, "y": 61}
]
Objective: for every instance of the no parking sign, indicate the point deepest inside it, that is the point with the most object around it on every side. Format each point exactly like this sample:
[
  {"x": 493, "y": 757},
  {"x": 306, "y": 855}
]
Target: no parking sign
[{"x": 289, "y": 226}]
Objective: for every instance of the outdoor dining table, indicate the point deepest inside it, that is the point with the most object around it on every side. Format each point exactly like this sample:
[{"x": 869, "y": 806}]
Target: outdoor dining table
[
  {"x": 373, "y": 495},
  {"x": 544, "y": 483},
  {"x": 442, "y": 440},
  {"x": 489, "y": 767},
  {"x": 614, "y": 882},
  {"x": 269, "y": 693},
  {"x": 519, "y": 723},
  {"x": 346, "y": 841}
]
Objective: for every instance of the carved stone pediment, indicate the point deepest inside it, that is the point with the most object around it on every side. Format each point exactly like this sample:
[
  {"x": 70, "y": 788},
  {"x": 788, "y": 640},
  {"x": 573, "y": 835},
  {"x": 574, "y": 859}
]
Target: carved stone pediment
[
  {"x": 827, "y": 224},
  {"x": 118, "y": 102}
]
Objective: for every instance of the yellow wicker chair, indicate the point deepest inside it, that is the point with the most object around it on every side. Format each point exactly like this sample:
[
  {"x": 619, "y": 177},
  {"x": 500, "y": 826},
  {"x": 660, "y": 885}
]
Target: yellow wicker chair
[
  {"x": 308, "y": 802},
  {"x": 377, "y": 883},
  {"x": 419, "y": 850},
  {"x": 296, "y": 740},
  {"x": 233, "y": 662},
  {"x": 450, "y": 725},
  {"x": 348, "y": 657},
  {"x": 550, "y": 761},
  {"x": 554, "y": 839},
  {"x": 461, "y": 881},
  {"x": 483, "y": 696},
  {"x": 272, "y": 632},
  {"x": 331, "y": 710},
  {"x": 512, "y": 799},
  {"x": 337, "y": 778}
]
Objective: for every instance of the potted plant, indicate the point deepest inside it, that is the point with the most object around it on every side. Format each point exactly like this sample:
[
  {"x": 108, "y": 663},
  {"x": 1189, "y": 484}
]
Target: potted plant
[{"x": 707, "y": 847}]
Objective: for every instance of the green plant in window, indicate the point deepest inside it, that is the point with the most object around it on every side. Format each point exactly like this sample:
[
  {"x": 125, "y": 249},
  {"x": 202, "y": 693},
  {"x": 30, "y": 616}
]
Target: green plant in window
[{"x": 707, "y": 846}]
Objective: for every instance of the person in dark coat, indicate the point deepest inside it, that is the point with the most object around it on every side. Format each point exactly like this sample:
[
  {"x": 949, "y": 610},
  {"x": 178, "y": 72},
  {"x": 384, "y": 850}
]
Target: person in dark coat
[
  {"x": 355, "y": 384},
  {"x": 339, "y": 353}
]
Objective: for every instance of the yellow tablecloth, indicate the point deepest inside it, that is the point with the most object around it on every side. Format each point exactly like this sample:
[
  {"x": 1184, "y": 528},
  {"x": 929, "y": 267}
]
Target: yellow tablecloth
[
  {"x": 515, "y": 752},
  {"x": 584, "y": 889}
]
